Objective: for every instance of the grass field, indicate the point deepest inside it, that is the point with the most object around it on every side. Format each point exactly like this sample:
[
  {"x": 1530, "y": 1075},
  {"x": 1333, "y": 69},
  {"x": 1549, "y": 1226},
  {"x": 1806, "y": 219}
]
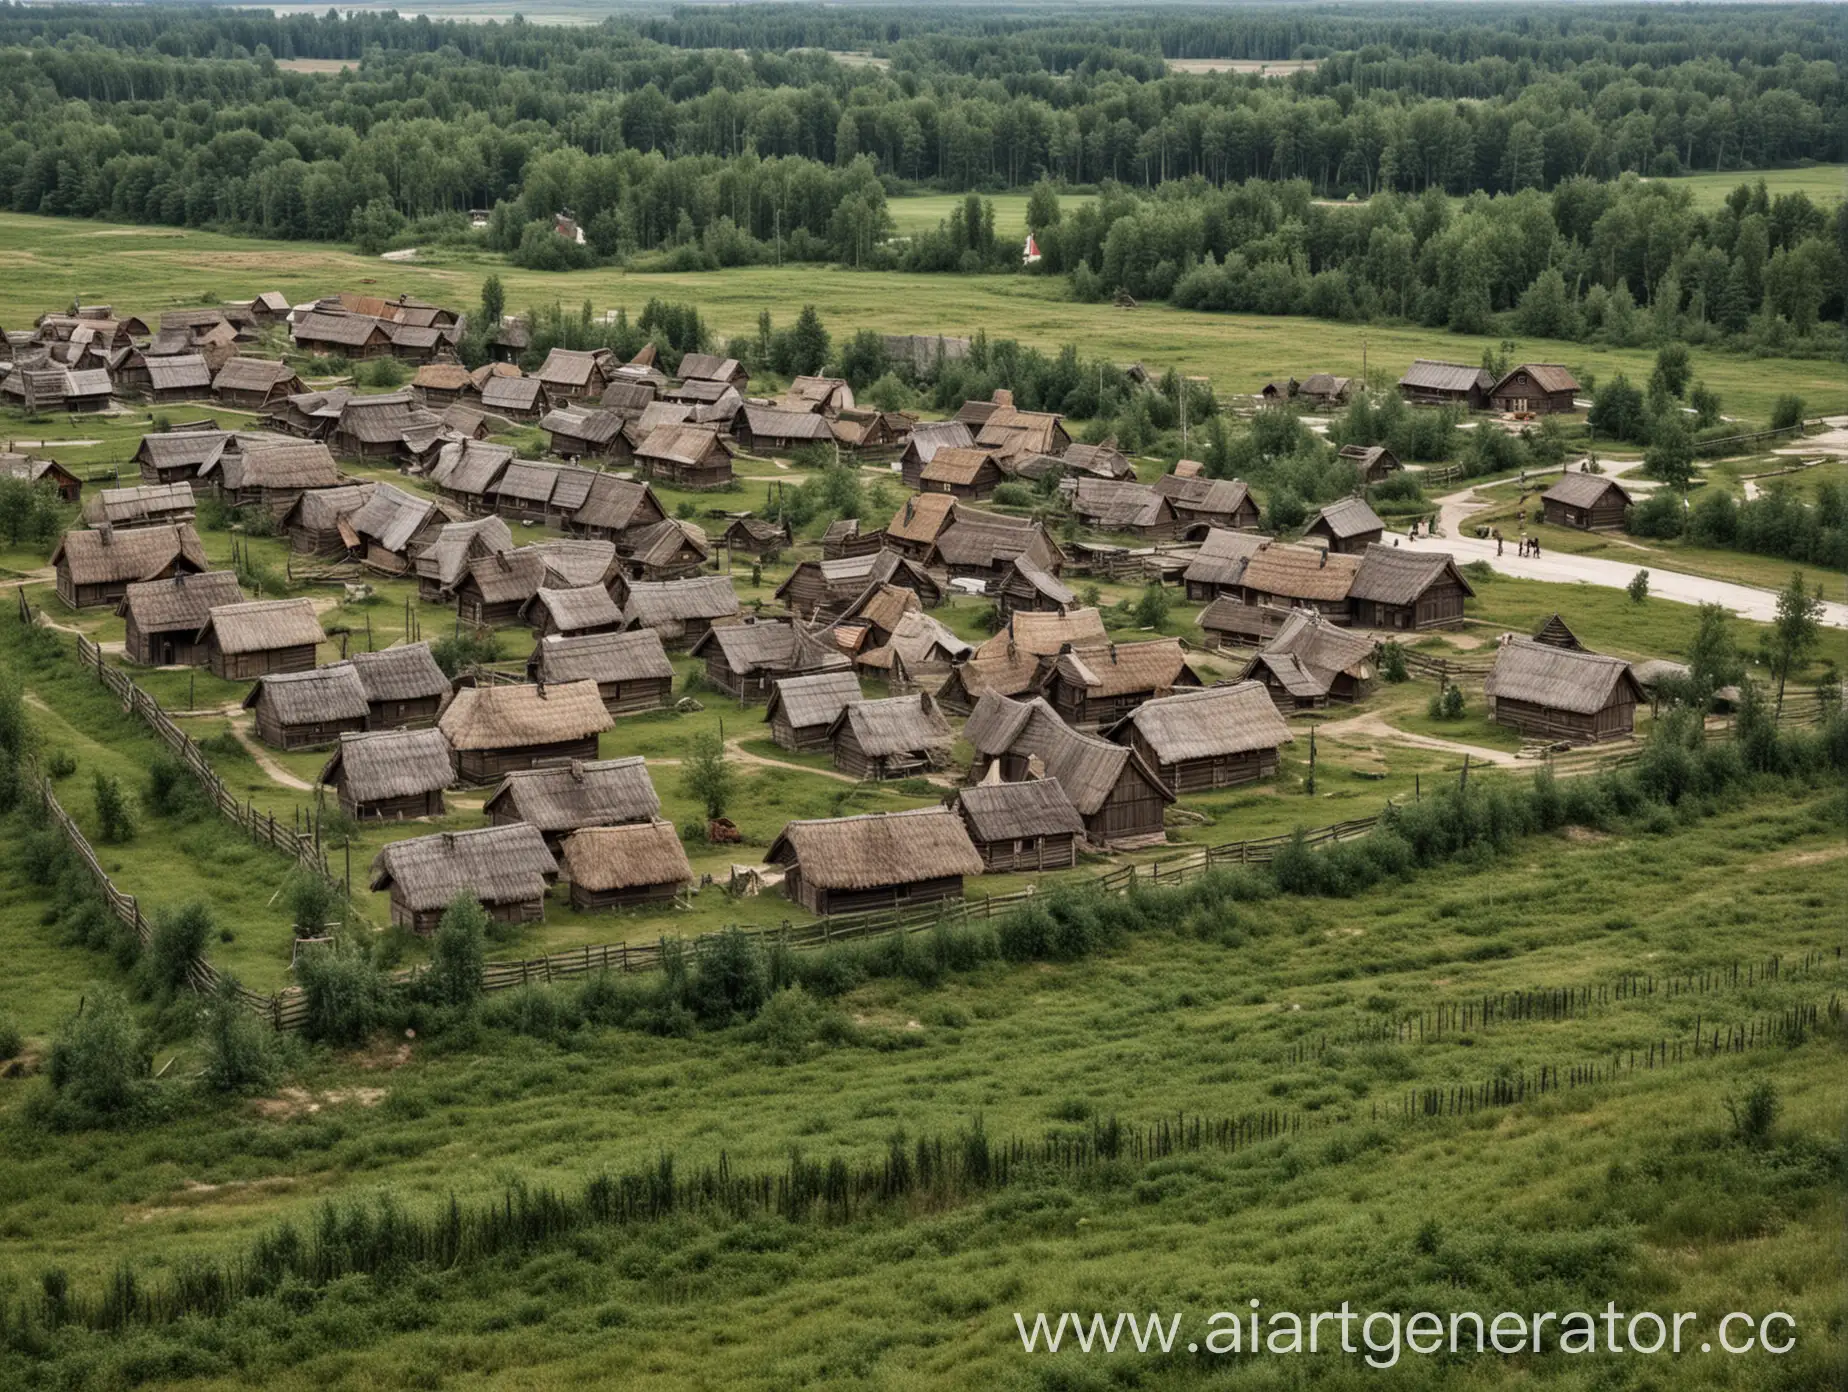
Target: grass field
[
  {"x": 1826, "y": 184},
  {"x": 915, "y": 213}
]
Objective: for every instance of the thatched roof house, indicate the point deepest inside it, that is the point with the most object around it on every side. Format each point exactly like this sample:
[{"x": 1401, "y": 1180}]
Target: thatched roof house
[
  {"x": 1104, "y": 460},
  {"x": 308, "y": 709},
  {"x": 404, "y": 686},
  {"x": 1586, "y": 501},
  {"x": 47, "y": 471},
  {"x": 761, "y": 429},
  {"x": 687, "y": 456},
  {"x": 516, "y": 398},
  {"x": 1218, "y": 567},
  {"x": 249, "y": 639},
  {"x": 1008, "y": 664},
  {"x": 1027, "y": 586},
  {"x": 505, "y": 868},
  {"x": 97, "y": 567},
  {"x": 631, "y": 669},
  {"x": 1028, "y": 826},
  {"x": 467, "y": 471},
  {"x": 666, "y": 550},
  {"x": 1537, "y": 389},
  {"x": 920, "y": 519},
  {"x": 1093, "y": 685},
  {"x": 898, "y": 737},
  {"x": 918, "y": 648},
  {"x": 875, "y": 861},
  {"x": 756, "y": 537},
  {"x": 562, "y": 798},
  {"x": 681, "y": 612},
  {"x": 442, "y": 563},
  {"x": 319, "y": 523},
  {"x": 1371, "y": 462},
  {"x": 392, "y": 525},
  {"x": 1397, "y": 587},
  {"x": 619, "y": 866},
  {"x": 1210, "y": 502},
  {"x": 143, "y": 505},
  {"x": 802, "y": 710},
  {"x": 1562, "y": 693},
  {"x": 710, "y": 367},
  {"x": 745, "y": 660},
  {"x": 1310, "y": 662},
  {"x": 826, "y": 396},
  {"x": 1307, "y": 577},
  {"x": 1230, "y": 623},
  {"x": 498, "y": 586},
  {"x": 391, "y": 774},
  {"x": 163, "y": 617},
  {"x": 177, "y": 456},
  {"x": 822, "y": 590},
  {"x": 1211, "y": 738},
  {"x": 174, "y": 377},
  {"x": 1114, "y": 505},
  {"x": 963, "y": 473},
  {"x": 255, "y": 384},
  {"x": 927, "y": 437},
  {"x": 497, "y": 730},
  {"x": 272, "y": 473},
  {"x": 1430, "y": 383},
  {"x": 580, "y": 610},
  {"x": 1012, "y": 433},
  {"x": 980, "y": 546},
  {"x": 1347, "y": 525},
  {"x": 615, "y": 506}
]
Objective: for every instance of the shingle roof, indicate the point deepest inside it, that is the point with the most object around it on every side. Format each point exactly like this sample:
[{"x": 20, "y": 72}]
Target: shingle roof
[
  {"x": 896, "y": 725},
  {"x": 575, "y": 609},
  {"x": 1223, "y": 555},
  {"x": 927, "y": 437},
  {"x": 511, "y": 394},
  {"x": 603, "y": 657},
  {"x": 1430, "y": 375},
  {"x": 150, "y": 502},
  {"x": 180, "y": 602},
  {"x": 498, "y": 865},
  {"x": 1114, "y": 503},
  {"x": 511, "y": 717},
  {"x": 282, "y": 464},
  {"x": 178, "y": 372},
  {"x": 875, "y": 849},
  {"x": 1557, "y": 678},
  {"x": 1581, "y": 490},
  {"x": 957, "y": 467},
  {"x": 564, "y": 797},
  {"x": 1348, "y": 517},
  {"x": 626, "y": 857},
  {"x": 392, "y": 763},
  {"x": 1398, "y": 574},
  {"x": 312, "y": 697},
  {"x": 1012, "y": 811},
  {"x": 1549, "y": 377},
  {"x": 254, "y": 375},
  {"x": 707, "y": 367},
  {"x": 774, "y": 423},
  {"x": 1203, "y": 724},
  {"x": 921, "y": 517}
]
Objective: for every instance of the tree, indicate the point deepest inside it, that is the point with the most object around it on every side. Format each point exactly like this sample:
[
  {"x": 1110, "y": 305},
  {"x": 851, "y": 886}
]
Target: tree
[
  {"x": 374, "y": 226},
  {"x": 493, "y": 303},
  {"x": 1795, "y": 630},
  {"x": 1638, "y": 588},
  {"x": 1706, "y": 404},
  {"x": 706, "y": 774},
  {"x": 1787, "y": 412},
  {"x": 458, "y": 953},
  {"x": 1713, "y": 657},
  {"x": 177, "y": 942},
  {"x": 1617, "y": 409},
  {"x": 240, "y": 1050},
  {"x": 99, "y": 1065},
  {"x": 1672, "y": 365},
  {"x": 113, "y": 819},
  {"x": 1042, "y": 207},
  {"x": 1546, "y": 309},
  {"x": 1670, "y": 456},
  {"x": 863, "y": 359},
  {"x": 1152, "y": 606},
  {"x": 807, "y": 343}
]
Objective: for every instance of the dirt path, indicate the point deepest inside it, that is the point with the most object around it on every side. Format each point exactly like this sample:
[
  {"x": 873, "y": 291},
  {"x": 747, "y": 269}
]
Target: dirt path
[
  {"x": 744, "y": 756},
  {"x": 275, "y": 770},
  {"x": 1373, "y": 727},
  {"x": 44, "y": 575}
]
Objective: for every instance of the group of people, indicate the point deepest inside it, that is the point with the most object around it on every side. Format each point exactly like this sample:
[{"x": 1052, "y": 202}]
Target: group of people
[{"x": 1526, "y": 547}]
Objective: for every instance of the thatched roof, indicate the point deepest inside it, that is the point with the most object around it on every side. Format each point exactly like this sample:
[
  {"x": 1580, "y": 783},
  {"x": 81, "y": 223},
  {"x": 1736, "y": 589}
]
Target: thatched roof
[
  {"x": 1347, "y": 517},
  {"x": 518, "y": 574},
  {"x": 1426, "y": 374},
  {"x": 708, "y": 367},
  {"x": 1365, "y": 457},
  {"x": 1308, "y": 653},
  {"x": 602, "y": 792},
  {"x": 615, "y": 504},
  {"x": 956, "y": 467},
  {"x": 320, "y": 509},
  {"x": 927, "y": 437},
  {"x": 755, "y": 531},
  {"x": 921, "y": 517},
  {"x": 883, "y": 606},
  {"x": 1555, "y": 634},
  {"x": 470, "y": 467},
  {"x": 989, "y": 540},
  {"x": 1115, "y": 504},
  {"x": 774, "y": 423},
  {"x": 661, "y": 543},
  {"x": 262, "y": 625},
  {"x": 148, "y": 502},
  {"x": 667, "y": 605},
  {"x": 404, "y": 672},
  {"x": 594, "y": 427},
  {"x": 517, "y": 394},
  {"x": 1204, "y": 724},
  {"x": 1324, "y": 384},
  {"x": 280, "y": 464},
  {"x": 779, "y": 646},
  {"x": 106, "y": 556},
  {"x": 878, "y": 848},
  {"x": 847, "y": 577},
  {"x": 816, "y": 699},
  {"x": 628, "y": 398},
  {"x": 1009, "y": 432},
  {"x": 242, "y": 374},
  {"x": 316, "y": 696},
  {"x": 917, "y": 640},
  {"x": 1301, "y": 572},
  {"x": 602, "y": 657},
  {"x": 1223, "y": 555},
  {"x": 179, "y": 449},
  {"x": 1042, "y": 581},
  {"x": 1192, "y": 493},
  {"x": 1105, "y": 460},
  {"x": 1228, "y": 614},
  {"x": 179, "y": 603},
  {"x": 446, "y": 558},
  {"x": 1019, "y": 811},
  {"x": 380, "y": 764},
  {"x": 178, "y": 372},
  {"x": 896, "y": 725},
  {"x": 1558, "y": 678},
  {"x": 1114, "y": 669},
  {"x": 807, "y": 393},
  {"x": 575, "y": 610},
  {"x": 1087, "y": 767},
  {"x": 391, "y": 518},
  {"x": 497, "y": 865},
  {"x": 346, "y": 330},
  {"x": 1548, "y": 377},
  {"x": 513, "y": 717},
  {"x": 625, "y": 857},
  {"x": 679, "y": 444},
  {"x": 1398, "y": 574},
  {"x": 1041, "y": 634},
  {"x": 1582, "y": 490}
]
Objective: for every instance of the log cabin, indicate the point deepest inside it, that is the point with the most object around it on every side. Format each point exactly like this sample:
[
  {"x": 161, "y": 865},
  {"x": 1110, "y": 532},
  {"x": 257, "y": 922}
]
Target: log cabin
[
  {"x": 308, "y": 710},
  {"x": 143, "y": 505},
  {"x": 1218, "y": 567},
  {"x": 971, "y": 474},
  {"x": 1204, "y": 502},
  {"x": 686, "y": 456},
  {"x": 255, "y": 384},
  {"x": 439, "y": 385},
  {"x": 631, "y": 669},
  {"x": 1230, "y": 623},
  {"x": 97, "y": 566},
  {"x": 710, "y": 367},
  {"x": 1536, "y": 389},
  {"x": 669, "y": 550},
  {"x": 505, "y": 868},
  {"x": 621, "y": 867},
  {"x": 163, "y": 617},
  {"x": 765, "y": 430},
  {"x": 574, "y": 612},
  {"x": 927, "y": 437},
  {"x": 1216, "y": 737},
  {"x": 1113, "y": 505},
  {"x": 576, "y": 433},
  {"x": 257, "y": 637},
  {"x": 497, "y": 730},
  {"x": 443, "y": 562},
  {"x": 467, "y": 472},
  {"x": 178, "y": 456},
  {"x": 497, "y": 587},
  {"x": 1305, "y": 577},
  {"x": 1310, "y": 662},
  {"x": 565, "y": 797},
  {"x": 1372, "y": 463},
  {"x": 271, "y": 474},
  {"x": 898, "y": 737},
  {"x": 389, "y": 775},
  {"x": 823, "y": 590},
  {"x": 1398, "y": 588},
  {"x": 569, "y": 374},
  {"x": 1554, "y": 693},
  {"x": 614, "y": 507},
  {"x": 515, "y": 398},
  {"x": 1021, "y": 827},
  {"x": 1347, "y": 525},
  {"x": 1428, "y": 382},
  {"x": 1026, "y": 587},
  {"x": 802, "y": 710},
  {"x": 320, "y": 522},
  {"x": 1009, "y": 664},
  {"x": 681, "y": 612},
  {"x": 1095, "y": 685},
  {"x": 405, "y": 689},
  {"x": 1590, "y": 502},
  {"x": 915, "y": 527},
  {"x": 746, "y": 660},
  {"x": 879, "y": 860},
  {"x": 754, "y": 536}
]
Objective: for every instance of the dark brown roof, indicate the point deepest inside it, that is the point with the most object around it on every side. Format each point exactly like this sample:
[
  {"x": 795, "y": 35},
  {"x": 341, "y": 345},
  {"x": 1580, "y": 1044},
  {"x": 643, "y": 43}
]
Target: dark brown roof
[
  {"x": 1348, "y": 517},
  {"x": 1581, "y": 490}
]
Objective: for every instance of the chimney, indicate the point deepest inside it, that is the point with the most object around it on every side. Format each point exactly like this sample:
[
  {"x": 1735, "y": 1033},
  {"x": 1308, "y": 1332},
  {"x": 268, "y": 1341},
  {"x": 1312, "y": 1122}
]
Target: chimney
[
  {"x": 1322, "y": 560},
  {"x": 449, "y": 841},
  {"x": 1113, "y": 656},
  {"x": 541, "y": 685},
  {"x": 105, "y": 534}
]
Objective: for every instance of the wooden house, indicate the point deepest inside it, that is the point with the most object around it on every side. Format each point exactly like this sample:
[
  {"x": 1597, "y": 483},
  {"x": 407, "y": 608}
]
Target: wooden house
[
  {"x": 872, "y": 433},
  {"x": 898, "y": 737},
  {"x": 180, "y": 377},
  {"x": 668, "y": 550},
  {"x": 1590, "y": 502},
  {"x": 1306, "y": 577},
  {"x": 982, "y": 545},
  {"x": 97, "y": 566},
  {"x": 628, "y": 396},
  {"x": 686, "y": 456},
  {"x": 1025, "y": 586},
  {"x": 308, "y": 709},
  {"x": 163, "y": 617},
  {"x": 587, "y": 434},
  {"x": 497, "y": 730},
  {"x": 1013, "y": 434},
  {"x": 972, "y": 474},
  {"x": 918, "y": 649},
  {"x": 48, "y": 472},
  {"x": 405, "y": 689},
  {"x": 802, "y": 710},
  {"x": 1122, "y": 801},
  {"x": 505, "y": 868},
  {"x": 1535, "y": 389},
  {"x": 1110, "y": 505},
  {"x": 681, "y": 612},
  {"x": 309, "y": 415},
  {"x": 755, "y": 536},
  {"x": 620, "y": 867},
  {"x": 389, "y": 775},
  {"x": 919, "y": 521},
  {"x": 1101, "y": 461},
  {"x": 1323, "y": 391},
  {"x": 1094, "y": 685},
  {"x": 1204, "y": 502},
  {"x": 615, "y": 506},
  {"x": 822, "y": 396},
  {"x": 1008, "y": 664},
  {"x": 356, "y": 337},
  {"x": 319, "y": 523},
  {"x": 1554, "y": 693},
  {"x": 1021, "y": 827},
  {"x": 631, "y": 670},
  {"x": 1218, "y": 567},
  {"x": 257, "y": 637},
  {"x": 768, "y": 429},
  {"x": 468, "y": 471},
  {"x": 442, "y": 563},
  {"x": 1400, "y": 588},
  {"x": 573, "y": 612},
  {"x": 1430, "y": 383},
  {"x": 1228, "y": 622},
  {"x": 567, "y": 796},
  {"x": 823, "y": 590},
  {"x": 178, "y": 456},
  {"x": 1371, "y": 462},
  {"x": 49, "y": 388},
  {"x": 515, "y": 398},
  {"x": 1216, "y": 737},
  {"x": 1347, "y": 525},
  {"x": 272, "y": 474},
  {"x": 378, "y": 427},
  {"x": 497, "y": 587},
  {"x": 710, "y": 367},
  {"x": 746, "y": 660},
  {"x": 846, "y": 537},
  {"x": 392, "y": 526},
  {"x": 927, "y": 437},
  {"x": 438, "y": 385},
  {"x": 255, "y": 384},
  {"x": 143, "y": 505},
  {"x": 1309, "y": 663},
  {"x": 879, "y": 860}
]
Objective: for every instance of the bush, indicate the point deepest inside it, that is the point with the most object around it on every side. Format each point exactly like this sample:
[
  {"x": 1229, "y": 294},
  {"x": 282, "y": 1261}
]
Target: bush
[
  {"x": 1660, "y": 516},
  {"x": 1755, "y": 1115},
  {"x": 1447, "y": 703},
  {"x": 458, "y": 954},
  {"x": 113, "y": 821},
  {"x": 1638, "y": 588},
  {"x": 241, "y": 1053},
  {"x": 729, "y": 981},
  {"x": 314, "y": 902},
  {"x": 171, "y": 790},
  {"x": 347, "y": 996},
  {"x": 466, "y": 649},
  {"x": 12, "y": 1039},
  {"x": 1787, "y": 412},
  {"x": 1152, "y": 606},
  {"x": 178, "y": 940},
  {"x": 1392, "y": 662},
  {"x": 98, "y": 1066},
  {"x": 60, "y": 764},
  {"x": 1014, "y": 495}
]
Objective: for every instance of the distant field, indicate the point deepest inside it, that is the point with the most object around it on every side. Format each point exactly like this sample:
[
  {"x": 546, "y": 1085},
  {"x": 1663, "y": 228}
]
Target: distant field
[
  {"x": 922, "y": 212},
  {"x": 1824, "y": 183},
  {"x": 315, "y": 65},
  {"x": 1271, "y": 67}
]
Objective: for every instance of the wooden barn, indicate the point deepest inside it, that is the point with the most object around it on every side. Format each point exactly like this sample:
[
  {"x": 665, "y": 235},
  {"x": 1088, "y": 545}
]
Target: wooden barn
[
  {"x": 669, "y": 550},
  {"x": 1590, "y": 502},
  {"x": 1116, "y": 505},
  {"x": 272, "y": 474},
  {"x": 1554, "y": 693},
  {"x": 879, "y": 860},
  {"x": 802, "y": 710},
  {"x": 404, "y": 687},
  {"x": 505, "y": 868},
  {"x": 143, "y": 505},
  {"x": 568, "y": 796},
  {"x": 1009, "y": 664},
  {"x": 1122, "y": 800},
  {"x": 615, "y": 506},
  {"x": 1536, "y": 389},
  {"x": 681, "y": 612},
  {"x": 576, "y": 433},
  {"x": 686, "y": 456},
  {"x": 927, "y": 437},
  {"x": 308, "y": 709},
  {"x": 389, "y": 775},
  {"x": 177, "y": 456},
  {"x": 1431, "y": 383},
  {"x": 746, "y": 660},
  {"x": 1218, "y": 567},
  {"x": 1021, "y": 827},
  {"x": 754, "y": 536},
  {"x": 443, "y": 562},
  {"x": 1212, "y": 738},
  {"x": 768, "y": 429},
  {"x": 97, "y": 566},
  {"x": 1204, "y": 502},
  {"x": 1348, "y": 526},
  {"x": 497, "y": 730},
  {"x": 823, "y": 590},
  {"x": 1093, "y": 685},
  {"x": 1305, "y": 577},
  {"x": 1310, "y": 663},
  {"x": 163, "y": 617},
  {"x": 1371, "y": 462},
  {"x": 530, "y": 490},
  {"x": 319, "y": 523},
  {"x": 377, "y": 427},
  {"x": 620, "y": 867},
  {"x": 631, "y": 669},
  {"x": 574, "y": 612},
  {"x": 1399, "y": 588},
  {"x": 255, "y": 384},
  {"x": 258, "y": 637},
  {"x": 972, "y": 474},
  {"x": 898, "y": 737},
  {"x": 1014, "y": 434}
]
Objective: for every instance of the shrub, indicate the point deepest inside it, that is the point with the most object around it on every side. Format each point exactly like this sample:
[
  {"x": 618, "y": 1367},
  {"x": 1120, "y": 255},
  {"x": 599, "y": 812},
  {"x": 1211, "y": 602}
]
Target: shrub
[
  {"x": 171, "y": 790},
  {"x": 1787, "y": 412},
  {"x": 1660, "y": 516},
  {"x": 1392, "y": 662},
  {"x": 1152, "y": 606},
  {"x": 241, "y": 1053},
  {"x": 1446, "y": 703},
  {"x": 706, "y": 775},
  {"x": 1754, "y": 1115},
  {"x": 347, "y": 996},
  {"x": 112, "y": 816},
  {"x": 1638, "y": 588},
  {"x": 1014, "y": 495},
  {"x": 12, "y": 1039},
  {"x": 98, "y": 1066},
  {"x": 178, "y": 940},
  {"x": 729, "y": 980},
  {"x": 466, "y": 649},
  {"x": 313, "y": 902},
  {"x": 458, "y": 953},
  {"x": 60, "y": 764}
]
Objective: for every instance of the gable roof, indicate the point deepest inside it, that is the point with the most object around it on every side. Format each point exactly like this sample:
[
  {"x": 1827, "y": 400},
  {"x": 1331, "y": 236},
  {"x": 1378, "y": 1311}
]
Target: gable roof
[
  {"x": 576, "y": 608},
  {"x": 921, "y": 517},
  {"x": 776, "y": 423},
  {"x": 680, "y": 444},
  {"x": 320, "y": 509},
  {"x": 988, "y": 540},
  {"x": 1428, "y": 374},
  {"x": 312, "y": 697},
  {"x": 1347, "y": 517},
  {"x": 498, "y": 865},
  {"x": 816, "y": 699},
  {"x": 1196, "y": 493},
  {"x": 1087, "y": 767},
  {"x": 661, "y": 543},
  {"x": 1105, "y": 460},
  {"x": 1223, "y": 555},
  {"x": 446, "y": 558},
  {"x": 1013, "y": 811},
  {"x": 518, "y": 574},
  {"x": 1113, "y": 669},
  {"x": 470, "y": 466},
  {"x": 956, "y": 466},
  {"x": 511, "y": 717},
  {"x": 916, "y": 640},
  {"x": 279, "y": 463},
  {"x": 602, "y": 657},
  {"x": 391, "y": 763},
  {"x": 896, "y": 725},
  {"x": 106, "y": 556},
  {"x": 1114, "y": 503},
  {"x": 1203, "y": 724},
  {"x": 708, "y": 367},
  {"x": 653, "y": 603},
  {"x": 1041, "y": 634},
  {"x": 615, "y": 503},
  {"x": 1041, "y": 581},
  {"x": 570, "y": 367},
  {"x": 254, "y": 375},
  {"x": 1398, "y": 574},
  {"x": 1301, "y": 572},
  {"x": 1308, "y": 653},
  {"x": 156, "y": 502},
  {"x": 263, "y": 625},
  {"x": 391, "y": 518},
  {"x": 178, "y": 372},
  {"x": 1009, "y": 432},
  {"x": 927, "y": 437},
  {"x": 1564, "y": 679},
  {"x": 625, "y": 857},
  {"x": 877, "y": 848},
  {"x": 1549, "y": 377},
  {"x": 403, "y": 672},
  {"x": 1581, "y": 490},
  {"x": 179, "y": 603},
  {"x": 178, "y": 448},
  {"x": 563, "y": 797},
  {"x": 511, "y": 394},
  {"x": 777, "y": 646}
]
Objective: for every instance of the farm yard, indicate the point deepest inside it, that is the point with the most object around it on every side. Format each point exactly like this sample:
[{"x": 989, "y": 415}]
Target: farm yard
[{"x": 880, "y": 693}]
